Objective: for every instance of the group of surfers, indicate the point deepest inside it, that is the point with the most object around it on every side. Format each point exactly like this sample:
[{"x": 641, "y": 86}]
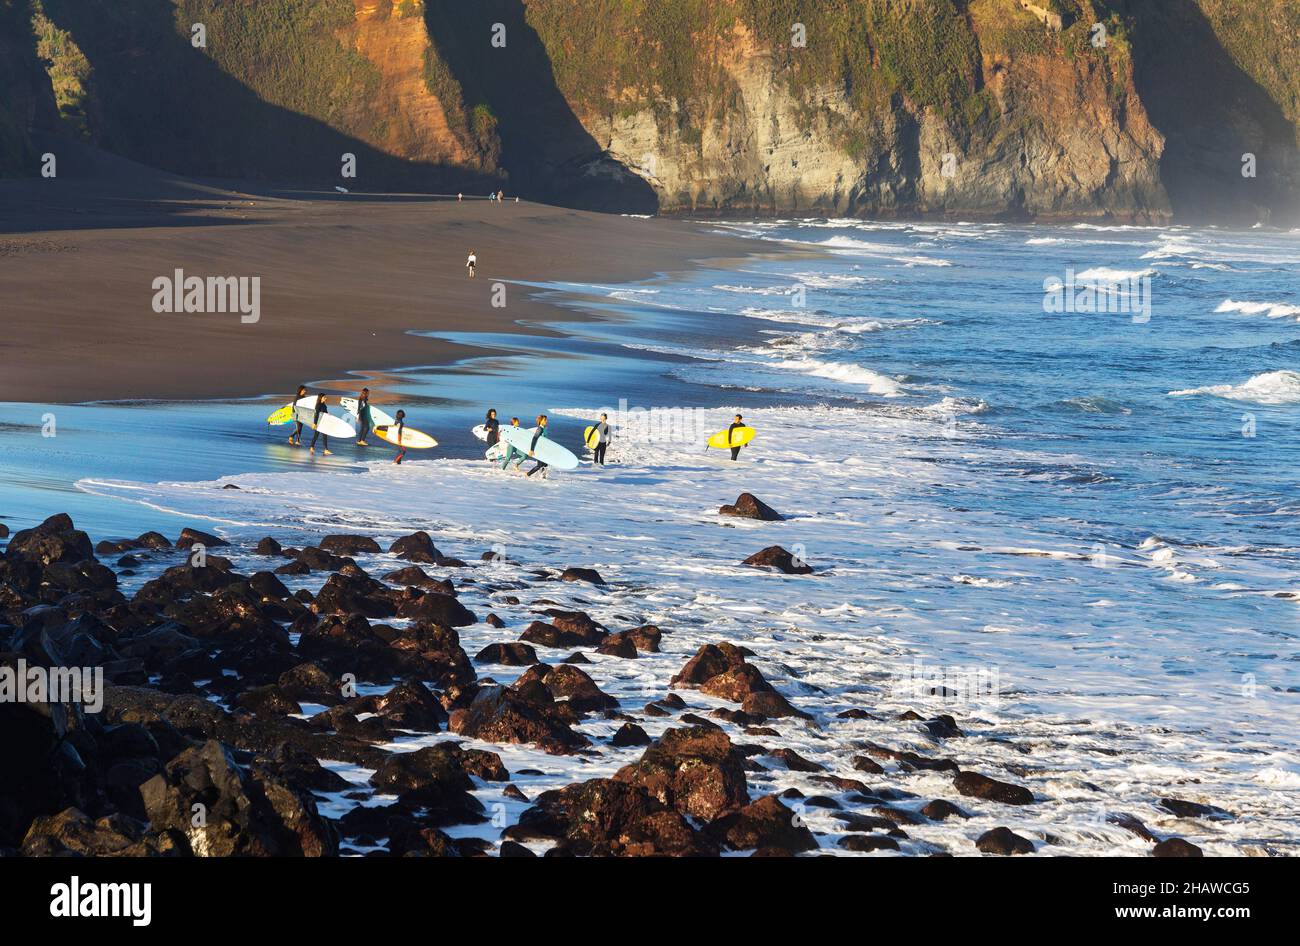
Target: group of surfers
[{"x": 600, "y": 438}]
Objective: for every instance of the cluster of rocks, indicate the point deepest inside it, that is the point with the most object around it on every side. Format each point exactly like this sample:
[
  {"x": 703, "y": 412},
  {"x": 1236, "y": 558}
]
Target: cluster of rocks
[{"x": 223, "y": 692}]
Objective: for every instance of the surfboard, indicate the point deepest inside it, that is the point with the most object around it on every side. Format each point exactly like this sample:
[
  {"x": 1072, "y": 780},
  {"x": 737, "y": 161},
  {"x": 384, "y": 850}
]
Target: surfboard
[
  {"x": 737, "y": 438},
  {"x": 591, "y": 437},
  {"x": 283, "y": 416},
  {"x": 548, "y": 451},
  {"x": 377, "y": 417},
  {"x": 330, "y": 426},
  {"x": 480, "y": 432},
  {"x": 414, "y": 439},
  {"x": 495, "y": 452}
]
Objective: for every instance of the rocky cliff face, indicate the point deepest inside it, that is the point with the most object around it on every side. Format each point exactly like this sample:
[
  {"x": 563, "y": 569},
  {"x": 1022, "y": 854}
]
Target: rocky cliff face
[{"x": 998, "y": 108}]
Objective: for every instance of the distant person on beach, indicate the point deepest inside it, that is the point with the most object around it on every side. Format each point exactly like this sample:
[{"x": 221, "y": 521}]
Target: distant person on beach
[
  {"x": 320, "y": 409},
  {"x": 493, "y": 427},
  {"x": 364, "y": 421},
  {"x": 603, "y": 437},
  {"x": 471, "y": 263},
  {"x": 460, "y": 198},
  {"x": 731, "y": 433},
  {"x": 399, "y": 427},
  {"x": 511, "y": 452},
  {"x": 295, "y": 438},
  {"x": 540, "y": 433},
  {"x": 501, "y": 197}
]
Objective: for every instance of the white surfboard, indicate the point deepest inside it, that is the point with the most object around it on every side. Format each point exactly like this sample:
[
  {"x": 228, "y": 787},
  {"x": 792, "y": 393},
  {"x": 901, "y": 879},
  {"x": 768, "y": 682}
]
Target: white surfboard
[
  {"x": 304, "y": 410},
  {"x": 548, "y": 451},
  {"x": 378, "y": 417},
  {"x": 480, "y": 432}
]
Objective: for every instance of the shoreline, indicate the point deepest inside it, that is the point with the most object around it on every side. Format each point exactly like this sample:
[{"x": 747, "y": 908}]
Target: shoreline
[{"x": 323, "y": 313}]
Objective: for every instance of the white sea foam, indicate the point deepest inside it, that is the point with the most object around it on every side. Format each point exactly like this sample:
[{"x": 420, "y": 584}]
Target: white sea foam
[
  {"x": 903, "y": 574},
  {"x": 1105, "y": 276},
  {"x": 873, "y": 381},
  {"x": 1271, "y": 387},
  {"x": 1274, "y": 310}
]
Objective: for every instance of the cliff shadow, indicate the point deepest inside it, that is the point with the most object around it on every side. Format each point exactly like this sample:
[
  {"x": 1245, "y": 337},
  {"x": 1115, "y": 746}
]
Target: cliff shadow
[
  {"x": 545, "y": 149},
  {"x": 1211, "y": 113},
  {"x": 168, "y": 105}
]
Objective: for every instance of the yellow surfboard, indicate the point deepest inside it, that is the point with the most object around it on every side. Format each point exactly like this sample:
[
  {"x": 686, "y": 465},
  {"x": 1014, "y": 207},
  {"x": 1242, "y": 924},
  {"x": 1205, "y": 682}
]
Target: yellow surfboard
[
  {"x": 724, "y": 439},
  {"x": 414, "y": 439},
  {"x": 591, "y": 437},
  {"x": 283, "y": 416}
]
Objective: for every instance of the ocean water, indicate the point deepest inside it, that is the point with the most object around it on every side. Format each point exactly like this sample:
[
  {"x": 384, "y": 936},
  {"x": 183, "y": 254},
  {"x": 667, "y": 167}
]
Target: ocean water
[{"x": 1078, "y": 528}]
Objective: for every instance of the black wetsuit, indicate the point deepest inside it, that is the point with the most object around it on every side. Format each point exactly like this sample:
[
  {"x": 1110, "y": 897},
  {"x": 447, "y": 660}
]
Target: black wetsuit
[
  {"x": 363, "y": 418},
  {"x": 315, "y": 422},
  {"x": 541, "y": 432},
  {"x": 731, "y": 433},
  {"x": 602, "y": 442},
  {"x": 493, "y": 431},
  {"x": 400, "y": 426}
]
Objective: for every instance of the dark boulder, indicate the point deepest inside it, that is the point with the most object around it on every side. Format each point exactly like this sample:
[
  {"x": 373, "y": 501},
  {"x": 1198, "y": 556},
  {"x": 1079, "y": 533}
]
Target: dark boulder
[
  {"x": 190, "y": 537},
  {"x": 417, "y": 547},
  {"x": 778, "y": 558},
  {"x": 974, "y": 785},
  {"x": 609, "y": 817},
  {"x": 435, "y": 608},
  {"x": 511, "y": 654},
  {"x": 434, "y": 778},
  {"x": 629, "y": 734},
  {"x": 1003, "y": 841},
  {"x": 349, "y": 544},
  {"x": 268, "y": 546},
  {"x": 941, "y": 810},
  {"x": 223, "y": 810},
  {"x": 866, "y": 843},
  {"x": 54, "y": 540},
  {"x": 1176, "y": 847},
  {"x": 618, "y": 645},
  {"x": 589, "y": 575},
  {"x": 765, "y": 822},
  {"x": 500, "y": 714},
  {"x": 749, "y": 506},
  {"x": 695, "y": 771}
]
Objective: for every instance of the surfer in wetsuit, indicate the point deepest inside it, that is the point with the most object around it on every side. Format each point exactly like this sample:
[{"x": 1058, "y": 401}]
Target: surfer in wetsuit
[
  {"x": 398, "y": 428},
  {"x": 315, "y": 422},
  {"x": 532, "y": 447},
  {"x": 295, "y": 438},
  {"x": 511, "y": 452},
  {"x": 731, "y": 435},
  {"x": 493, "y": 427},
  {"x": 603, "y": 437},
  {"x": 364, "y": 421}
]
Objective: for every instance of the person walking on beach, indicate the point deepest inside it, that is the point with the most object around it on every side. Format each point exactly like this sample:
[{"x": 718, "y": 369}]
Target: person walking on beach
[
  {"x": 364, "y": 421},
  {"x": 471, "y": 263},
  {"x": 460, "y": 198},
  {"x": 511, "y": 452},
  {"x": 315, "y": 422},
  {"x": 731, "y": 434},
  {"x": 603, "y": 436},
  {"x": 493, "y": 427},
  {"x": 399, "y": 428},
  {"x": 501, "y": 197},
  {"x": 295, "y": 438},
  {"x": 532, "y": 447}
]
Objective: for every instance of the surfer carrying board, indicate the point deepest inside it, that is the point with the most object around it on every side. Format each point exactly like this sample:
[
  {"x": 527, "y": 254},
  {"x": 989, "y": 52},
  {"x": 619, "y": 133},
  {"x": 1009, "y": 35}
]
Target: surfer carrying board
[
  {"x": 320, "y": 409},
  {"x": 364, "y": 420},
  {"x": 731, "y": 433},
  {"x": 511, "y": 452},
  {"x": 295, "y": 438},
  {"x": 399, "y": 428},
  {"x": 603, "y": 437},
  {"x": 471, "y": 262},
  {"x": 493, "y": 427},
  {"x": 538, "y": 434}
]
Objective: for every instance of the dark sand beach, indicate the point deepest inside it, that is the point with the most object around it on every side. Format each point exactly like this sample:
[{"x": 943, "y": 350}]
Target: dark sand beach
[{"x": 344, "y": 280}]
